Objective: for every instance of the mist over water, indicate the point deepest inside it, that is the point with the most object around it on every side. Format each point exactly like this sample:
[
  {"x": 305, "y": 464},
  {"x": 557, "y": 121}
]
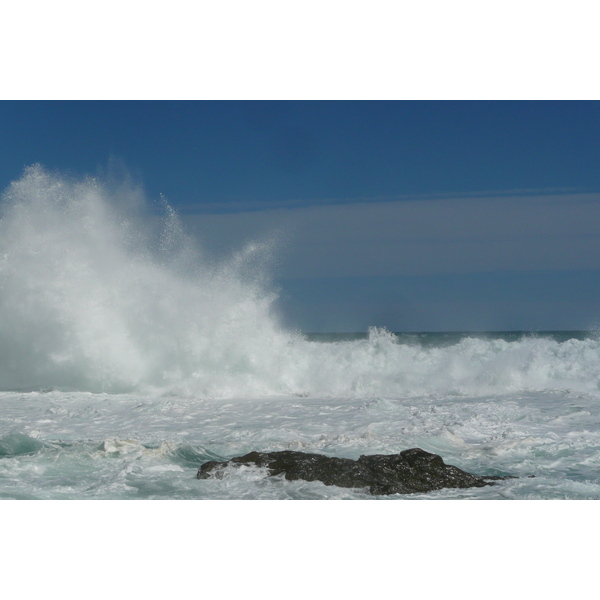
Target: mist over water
[{"x": 98, "y": 294}]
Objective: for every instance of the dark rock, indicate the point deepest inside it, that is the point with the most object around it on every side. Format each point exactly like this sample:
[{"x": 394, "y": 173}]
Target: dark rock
[{"x": 411, "y": 471}]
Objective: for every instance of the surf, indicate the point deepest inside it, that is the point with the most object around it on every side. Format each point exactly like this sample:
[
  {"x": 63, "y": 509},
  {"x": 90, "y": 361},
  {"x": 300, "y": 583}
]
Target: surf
[{"x": 102, "y": 290}]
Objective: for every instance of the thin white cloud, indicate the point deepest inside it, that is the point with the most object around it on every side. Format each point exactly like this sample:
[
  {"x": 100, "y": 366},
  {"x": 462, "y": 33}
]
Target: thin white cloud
[{"x": 427, "y": 236}]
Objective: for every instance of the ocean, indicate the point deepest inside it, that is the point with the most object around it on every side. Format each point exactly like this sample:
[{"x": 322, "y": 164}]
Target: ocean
[
  {"x": 128, "y": 357},
  {"x": 487, "y": 405}
]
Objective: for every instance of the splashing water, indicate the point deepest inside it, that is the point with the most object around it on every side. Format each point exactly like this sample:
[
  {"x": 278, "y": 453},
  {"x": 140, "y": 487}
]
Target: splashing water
[{"x": 95, "y": 296}]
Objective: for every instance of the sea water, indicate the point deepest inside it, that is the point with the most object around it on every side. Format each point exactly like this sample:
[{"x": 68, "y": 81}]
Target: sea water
[{"x": 129, "y": 356}]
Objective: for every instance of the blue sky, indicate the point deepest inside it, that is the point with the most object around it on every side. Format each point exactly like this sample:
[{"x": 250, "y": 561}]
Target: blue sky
[
  {"x": 413, "y": 215},
  {"x": 312, "y": 152}
]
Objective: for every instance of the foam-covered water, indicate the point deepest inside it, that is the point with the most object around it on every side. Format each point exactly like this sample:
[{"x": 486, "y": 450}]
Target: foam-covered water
[{"x": 128, "y": 357}]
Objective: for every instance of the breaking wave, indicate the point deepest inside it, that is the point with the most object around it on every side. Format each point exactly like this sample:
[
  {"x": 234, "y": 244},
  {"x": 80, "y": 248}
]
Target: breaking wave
[{"x": 99, "y": 294}]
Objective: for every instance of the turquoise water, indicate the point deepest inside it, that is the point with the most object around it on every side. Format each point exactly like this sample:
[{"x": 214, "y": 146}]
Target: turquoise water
[{"x": 506, "y": 410}]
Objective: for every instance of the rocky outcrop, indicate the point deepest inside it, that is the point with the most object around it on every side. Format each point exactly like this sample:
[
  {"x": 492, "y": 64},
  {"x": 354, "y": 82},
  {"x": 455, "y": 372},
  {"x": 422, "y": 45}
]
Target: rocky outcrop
[{"x": 411, "y": 471}]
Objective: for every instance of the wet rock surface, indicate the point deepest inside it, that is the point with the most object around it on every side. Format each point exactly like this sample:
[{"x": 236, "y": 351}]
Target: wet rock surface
[{"x": 411, "y": 471}]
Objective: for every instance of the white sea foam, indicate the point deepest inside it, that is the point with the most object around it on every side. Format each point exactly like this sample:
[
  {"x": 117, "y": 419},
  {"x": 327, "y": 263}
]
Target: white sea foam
[{"x": 94, "y": 296}]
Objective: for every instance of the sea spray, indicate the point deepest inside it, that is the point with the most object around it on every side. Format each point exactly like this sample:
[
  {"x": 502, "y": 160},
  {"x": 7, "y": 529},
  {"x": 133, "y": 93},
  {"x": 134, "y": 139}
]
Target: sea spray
[
  {"x": 93, "y": 297},
  {"x": 98, "y": 294}
]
